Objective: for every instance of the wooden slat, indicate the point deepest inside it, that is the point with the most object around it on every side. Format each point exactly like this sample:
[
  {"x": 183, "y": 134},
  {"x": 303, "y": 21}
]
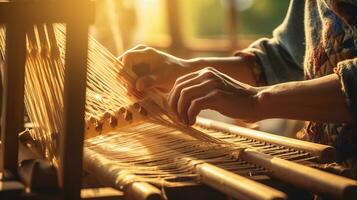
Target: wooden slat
[
  {"x": 8, "y": 187},
  {"x": 325, "y": 153},
  {"x": 46, "y": 11},
  {"x": 142, "y": 191},
  {"x": 11, "y": 190},
  {"x": 105, "y": 193},
  {"x": 133, "y": 189},
  {"x": 235, "y": 185},
  {"x": 314, "y": 180}
]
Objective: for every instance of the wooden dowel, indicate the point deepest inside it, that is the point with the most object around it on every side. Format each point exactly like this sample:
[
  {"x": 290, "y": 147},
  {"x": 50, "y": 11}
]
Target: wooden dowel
[
  {"x": 134, "y": 190},
  {"x": 325, "y": 154},
  {"x": 305, "y": 177},
  {"x": 235, "y": 185},
  {"x": 142, "y": 191}
]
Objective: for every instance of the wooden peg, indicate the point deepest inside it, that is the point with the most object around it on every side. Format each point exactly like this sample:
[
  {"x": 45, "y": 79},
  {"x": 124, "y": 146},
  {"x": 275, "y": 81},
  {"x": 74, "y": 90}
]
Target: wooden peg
[
  {"x": 92, "y": 120},
  {"x": 128, "y": 116},
  {"x": 113, "y": 121},
  {"x": 91, "y": 127},
  {"x": 108, "y": 114},
  {"x": 99, "y": 126},
  {"x": 122, "y": 110},
  {"x": 140, "y": 109}
]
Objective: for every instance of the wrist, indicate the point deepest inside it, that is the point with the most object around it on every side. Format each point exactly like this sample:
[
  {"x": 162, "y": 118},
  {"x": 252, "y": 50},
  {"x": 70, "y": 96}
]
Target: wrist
[{"x": 264, "y": 99}]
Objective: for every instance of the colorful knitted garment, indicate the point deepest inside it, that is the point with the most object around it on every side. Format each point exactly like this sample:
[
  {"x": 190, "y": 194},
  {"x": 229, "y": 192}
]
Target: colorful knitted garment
[{"x": 317, "y": 38}]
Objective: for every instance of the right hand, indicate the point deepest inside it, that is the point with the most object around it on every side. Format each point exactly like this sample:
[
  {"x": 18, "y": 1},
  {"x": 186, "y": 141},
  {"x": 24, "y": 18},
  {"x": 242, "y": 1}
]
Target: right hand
[{"x": 154, "y": 68}]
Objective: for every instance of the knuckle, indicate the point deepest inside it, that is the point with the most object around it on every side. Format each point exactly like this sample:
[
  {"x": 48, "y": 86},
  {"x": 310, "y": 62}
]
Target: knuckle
[
  {"x": 216, "y": 93},
  {"x": 195, "y": 103},
  {"x": 177, "y": 81},
  {"x": 127, "y": 57},
  {"x": 216, "y": 79},
  {"x": 178, "y": 89},
  {"x": 184, "y": 93},
  {"x": 150, "y": 50},
  {"x": 209, "y": 69},
  {"x": 209, "y": 74},
  {"x": 139, "y": 46},
  {"x": 215, "y": 84}
]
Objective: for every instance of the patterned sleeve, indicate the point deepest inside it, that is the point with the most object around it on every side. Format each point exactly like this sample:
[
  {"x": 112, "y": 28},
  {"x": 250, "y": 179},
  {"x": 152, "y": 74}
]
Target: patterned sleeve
[{"x": 347, "y": 71}]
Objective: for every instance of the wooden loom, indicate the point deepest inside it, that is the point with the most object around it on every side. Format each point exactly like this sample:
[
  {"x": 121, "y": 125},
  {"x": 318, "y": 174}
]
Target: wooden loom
[{"x": 136, "y": 148}]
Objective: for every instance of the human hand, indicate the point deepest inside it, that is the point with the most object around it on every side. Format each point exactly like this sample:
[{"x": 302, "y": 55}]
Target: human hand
[
  {"x": 154, "y": 68},
  {"x": 211, "y": 89}
]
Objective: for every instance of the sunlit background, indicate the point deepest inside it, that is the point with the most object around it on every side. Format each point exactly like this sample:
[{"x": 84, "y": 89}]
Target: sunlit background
[
  {"x": 212, "y": 27},
  {"x": 190, "y": 28}
]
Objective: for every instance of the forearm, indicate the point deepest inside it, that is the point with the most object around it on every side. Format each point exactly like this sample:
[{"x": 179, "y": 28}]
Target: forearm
[
  {"x": 237, "y": 67},
  {"x": 315, "y": 100}
]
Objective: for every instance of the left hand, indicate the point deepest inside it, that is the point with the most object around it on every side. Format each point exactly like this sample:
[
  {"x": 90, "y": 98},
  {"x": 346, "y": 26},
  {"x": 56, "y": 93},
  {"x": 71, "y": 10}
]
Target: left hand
[{"x": 211, "y": 89}]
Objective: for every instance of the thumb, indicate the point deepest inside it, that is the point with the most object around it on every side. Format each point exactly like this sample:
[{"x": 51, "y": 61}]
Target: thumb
[{"x": 146, "y": 82}]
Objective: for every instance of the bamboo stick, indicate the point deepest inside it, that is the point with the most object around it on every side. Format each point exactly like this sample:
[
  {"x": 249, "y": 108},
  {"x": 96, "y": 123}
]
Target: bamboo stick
[
  {"x": 305, "y": 177},
  {"x": 325, "y": 154},
  {"x": 235, "y": 185}
]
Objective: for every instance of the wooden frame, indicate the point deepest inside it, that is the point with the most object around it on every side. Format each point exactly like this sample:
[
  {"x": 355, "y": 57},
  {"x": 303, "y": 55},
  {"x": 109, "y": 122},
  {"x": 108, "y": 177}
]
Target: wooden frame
[{"x": 18, "y": 16}]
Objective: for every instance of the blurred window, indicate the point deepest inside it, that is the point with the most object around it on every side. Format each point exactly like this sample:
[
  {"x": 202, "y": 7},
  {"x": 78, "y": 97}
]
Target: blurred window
[
  {"x": 152, "y": 20},
  {"x": 187, "y": 26},
  {"x": 210, "y": 18}
]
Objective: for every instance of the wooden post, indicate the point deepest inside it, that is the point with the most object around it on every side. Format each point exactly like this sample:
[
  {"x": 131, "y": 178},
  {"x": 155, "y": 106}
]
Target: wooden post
[
  {"x": 232, "y": 23},
  {"x": 71, "y": 148},
  {"x": 173, "y": 13},
  {"x": 13, "y": 100}
]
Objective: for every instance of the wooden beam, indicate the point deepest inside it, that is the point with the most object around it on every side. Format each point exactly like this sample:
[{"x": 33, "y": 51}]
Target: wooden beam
[
  {"x": 324, "y": 153},
  {"x": 232, "y": 23},
  {"x": 46, "y": 11},
  {"x": 174, "y": 25},
  {"x": 71, "y": 141},
  {"x": 105, "y": 193},
  {"x": 13, "y": 100}
]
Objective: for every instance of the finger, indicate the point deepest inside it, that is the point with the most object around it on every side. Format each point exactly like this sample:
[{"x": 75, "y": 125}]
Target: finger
[
  {"x": 188, "y": 81},
  {"x": 206, "y": 73},
  {"x": 193, "y": 92},
  {"x": 212, "y": 100},
  {"x": 174, "y": 94},
  {"x": 132, "y": 59},
  {"x": 147, "y": 82},
  {"x": 133, "y": 92},
  {"x": 135, "y": 57},
  {"x": 185, "y": 78}
]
